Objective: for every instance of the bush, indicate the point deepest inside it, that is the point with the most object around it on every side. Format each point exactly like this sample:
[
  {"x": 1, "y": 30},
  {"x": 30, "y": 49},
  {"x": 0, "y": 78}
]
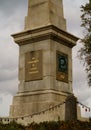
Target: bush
[
  {"x": 59, "y": 125},
  {"x": 11, "y": 126}
]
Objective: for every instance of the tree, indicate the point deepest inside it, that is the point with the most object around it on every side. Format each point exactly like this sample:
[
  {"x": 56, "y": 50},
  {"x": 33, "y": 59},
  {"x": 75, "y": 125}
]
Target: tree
[{"x": 85, "y": 51}]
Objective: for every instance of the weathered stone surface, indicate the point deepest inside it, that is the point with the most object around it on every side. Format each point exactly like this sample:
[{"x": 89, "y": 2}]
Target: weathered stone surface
[
  {"x": 45, "y": 12},
  {"x": 71, "y": 108},
  {"x": 27, "y": 104},
  {"x": 43, "y": 36}
]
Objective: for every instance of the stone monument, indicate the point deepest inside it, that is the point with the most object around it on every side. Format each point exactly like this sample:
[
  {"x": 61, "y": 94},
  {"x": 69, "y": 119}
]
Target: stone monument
[{"x": 45, "y": 59}]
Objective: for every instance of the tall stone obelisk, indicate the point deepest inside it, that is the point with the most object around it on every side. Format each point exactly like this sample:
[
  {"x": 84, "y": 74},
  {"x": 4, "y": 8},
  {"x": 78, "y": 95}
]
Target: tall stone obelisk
[{"x": 45, "y": 59}]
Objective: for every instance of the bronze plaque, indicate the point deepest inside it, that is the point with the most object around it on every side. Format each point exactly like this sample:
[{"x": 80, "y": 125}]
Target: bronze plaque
[
  {"x": 33, "y": 65},
  {"x": 61, "y": 66}
]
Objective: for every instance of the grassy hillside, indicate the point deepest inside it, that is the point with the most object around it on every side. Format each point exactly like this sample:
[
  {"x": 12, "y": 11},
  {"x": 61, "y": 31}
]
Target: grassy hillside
[{"x": 69, "y": 125}]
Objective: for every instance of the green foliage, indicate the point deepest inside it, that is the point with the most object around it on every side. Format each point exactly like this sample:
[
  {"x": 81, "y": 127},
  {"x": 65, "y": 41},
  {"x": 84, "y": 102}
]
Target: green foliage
[
  {"x": 11, "y": 126},
  {"x": 85, "y": 51},
  {"x": 86, "y": 16},
  {"x": 59, "y": 125},
  {"x": 46, "y": 126}
]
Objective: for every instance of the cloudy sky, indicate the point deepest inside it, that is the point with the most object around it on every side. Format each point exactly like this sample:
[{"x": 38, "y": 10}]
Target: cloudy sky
[{"x": 12, "y": 13}]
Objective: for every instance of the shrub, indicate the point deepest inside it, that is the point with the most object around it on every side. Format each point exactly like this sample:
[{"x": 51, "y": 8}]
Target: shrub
[{"x": 59, "y": 125}]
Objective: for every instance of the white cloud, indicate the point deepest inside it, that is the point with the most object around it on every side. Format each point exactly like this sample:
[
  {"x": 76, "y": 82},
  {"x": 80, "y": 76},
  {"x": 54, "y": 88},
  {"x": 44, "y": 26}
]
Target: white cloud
[
  {"x": 72, "y": 13},
  {"x": 9, "y": 86},
  {"x": 4, "y": 107}
]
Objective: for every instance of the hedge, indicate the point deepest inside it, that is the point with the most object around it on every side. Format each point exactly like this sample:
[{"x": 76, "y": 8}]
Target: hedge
[{"x": 59, "y": 125}]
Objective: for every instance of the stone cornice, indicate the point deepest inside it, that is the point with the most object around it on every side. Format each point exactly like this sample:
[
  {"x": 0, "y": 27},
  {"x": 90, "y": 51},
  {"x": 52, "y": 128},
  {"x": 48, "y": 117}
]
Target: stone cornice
[{"x": 44, "y": 33}]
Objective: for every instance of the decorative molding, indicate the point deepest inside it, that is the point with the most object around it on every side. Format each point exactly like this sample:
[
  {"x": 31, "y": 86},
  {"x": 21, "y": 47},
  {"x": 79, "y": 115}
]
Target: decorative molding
[{"x": 44, "y": 33}]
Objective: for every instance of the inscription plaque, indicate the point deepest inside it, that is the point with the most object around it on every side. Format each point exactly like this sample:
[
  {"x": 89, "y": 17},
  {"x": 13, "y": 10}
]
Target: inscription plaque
[
  {"x": 33, "y": 65},
  {"x": 61, "y": 66}
]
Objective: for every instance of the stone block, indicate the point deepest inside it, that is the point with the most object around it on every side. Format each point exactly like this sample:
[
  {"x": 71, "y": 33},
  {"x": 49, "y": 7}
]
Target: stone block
[
  {"x": 35, "y": 94},
  {"x": 49, "y": 13},
  {"x": 71, "y": 108}
]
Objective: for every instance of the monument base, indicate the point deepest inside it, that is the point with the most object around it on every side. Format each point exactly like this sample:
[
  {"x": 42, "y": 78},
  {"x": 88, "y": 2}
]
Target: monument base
[{"x": 30, "y": 103}]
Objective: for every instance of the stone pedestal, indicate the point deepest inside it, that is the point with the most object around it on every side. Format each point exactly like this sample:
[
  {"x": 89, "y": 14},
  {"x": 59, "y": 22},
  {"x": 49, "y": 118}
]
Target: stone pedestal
[
  {"x": 71, "y": 108},
  {"x": 45, "y": 59},
  {"x": 39, "y": 87}
]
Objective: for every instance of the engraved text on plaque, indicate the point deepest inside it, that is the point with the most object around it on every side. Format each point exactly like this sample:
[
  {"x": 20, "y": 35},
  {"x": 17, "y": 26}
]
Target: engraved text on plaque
[{"x": 33, "y": 65}]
